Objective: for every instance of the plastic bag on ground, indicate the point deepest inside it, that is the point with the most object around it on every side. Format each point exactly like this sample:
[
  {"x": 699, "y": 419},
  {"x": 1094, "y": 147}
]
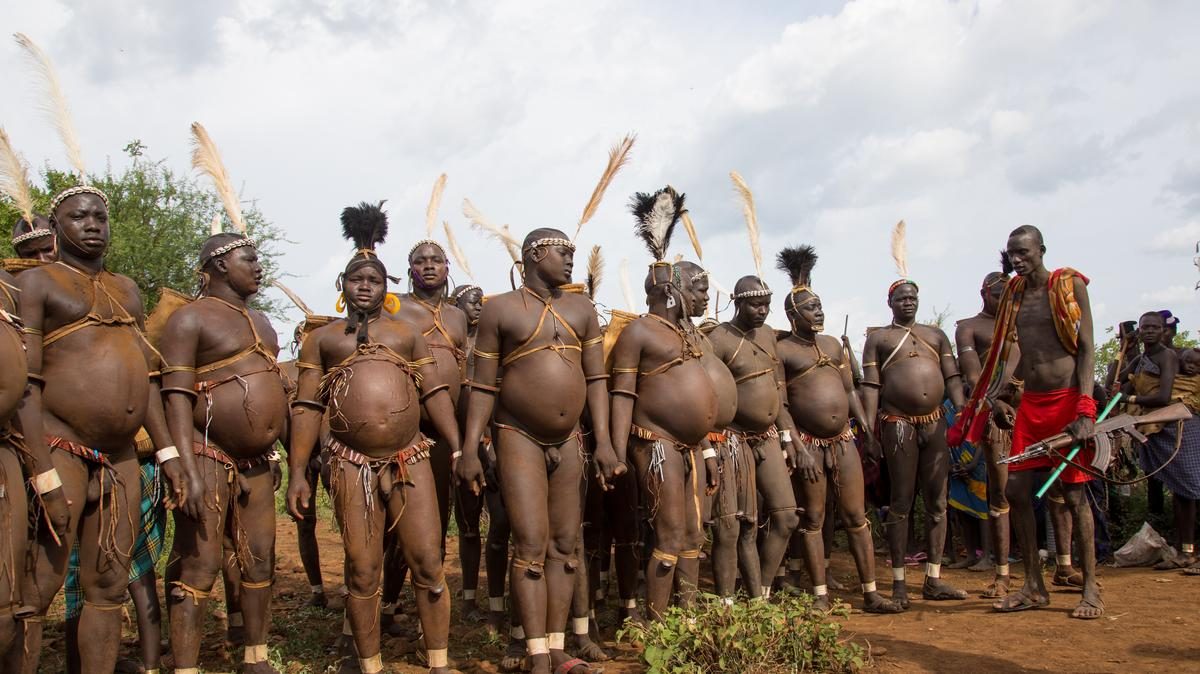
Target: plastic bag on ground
[{"x": 1145, "y": 548}]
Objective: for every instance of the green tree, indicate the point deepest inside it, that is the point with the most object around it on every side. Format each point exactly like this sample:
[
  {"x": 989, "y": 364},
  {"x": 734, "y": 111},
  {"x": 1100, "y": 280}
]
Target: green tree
[{"x": 158, "y": 218}]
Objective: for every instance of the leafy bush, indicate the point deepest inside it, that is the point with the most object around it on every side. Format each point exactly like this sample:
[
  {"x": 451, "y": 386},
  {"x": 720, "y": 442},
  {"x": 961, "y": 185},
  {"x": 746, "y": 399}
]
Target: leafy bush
[{"x": 784, "y": 635}]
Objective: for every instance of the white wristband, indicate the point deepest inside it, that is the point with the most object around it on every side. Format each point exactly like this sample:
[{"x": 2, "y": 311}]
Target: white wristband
[
  {"x": 709, "y": 453},
  {"x": 47, "y": 481},
  {"x": 166, "y": 454},
  {"x": 456, "y": 455},
  {"x": 785, "y": 436}
]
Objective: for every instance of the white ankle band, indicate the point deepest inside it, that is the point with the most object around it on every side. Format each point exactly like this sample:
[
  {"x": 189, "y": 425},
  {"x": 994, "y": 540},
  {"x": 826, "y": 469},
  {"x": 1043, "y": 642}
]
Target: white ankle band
[
  {"x": 317, "y": 589},
  {"x": 579, "y": 625},
  {"x": 255, "y": 654},
  {"x": 556, "y": 641},
  {"x": 1063, "y": 560},
  {"x": 630, "y": 603},
  {"x": 438, "y": 657},
  {"x": 766, "y": 591},
  {"x": 496, "y": 604},
  {"x": 371, "y": 665},
  {"x": 868, "y": 587},
  {"x": 537, "y": 646},
  {"x": 468, "y": 595},
  {"x": 517, "y": 632},
  {"x": 1001, "y": 569},
  {"x": 820, "y": 590},
  {"x": 897, "y": 573},
  {"x": 933, "y": 570},
  {"x": 795, "y": 565}
]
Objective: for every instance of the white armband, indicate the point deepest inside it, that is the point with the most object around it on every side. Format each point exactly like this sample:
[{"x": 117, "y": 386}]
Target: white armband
[
  {"x": 47, "y": 481},
  {"x": 785, "y": 436},
  {"x": 709, "y": 453},
  {"x": 166, "y": 454}
]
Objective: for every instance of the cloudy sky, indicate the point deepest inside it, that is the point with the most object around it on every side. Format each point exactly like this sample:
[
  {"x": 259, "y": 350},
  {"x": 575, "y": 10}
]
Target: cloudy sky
[{"x": 964, "y": 119}]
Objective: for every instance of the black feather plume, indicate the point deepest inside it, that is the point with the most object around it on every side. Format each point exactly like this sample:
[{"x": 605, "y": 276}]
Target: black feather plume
[
  {"x": 656, "y": 214},
  {"x": 797, "y": 263},
  {"x": 1005, "y": 263},
  {"x": 366, "y": 225}
]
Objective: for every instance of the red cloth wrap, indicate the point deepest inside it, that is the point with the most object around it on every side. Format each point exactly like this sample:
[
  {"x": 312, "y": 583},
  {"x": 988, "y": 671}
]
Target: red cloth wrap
[
  {"x": 1086, "y": 407},
  {"x": 1043, "y": 414}
]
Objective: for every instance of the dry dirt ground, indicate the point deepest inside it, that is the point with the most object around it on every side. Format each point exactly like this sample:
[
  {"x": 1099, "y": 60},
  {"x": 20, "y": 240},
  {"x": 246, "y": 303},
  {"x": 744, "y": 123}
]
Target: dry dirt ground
[{"x": 1151, "y": 626}]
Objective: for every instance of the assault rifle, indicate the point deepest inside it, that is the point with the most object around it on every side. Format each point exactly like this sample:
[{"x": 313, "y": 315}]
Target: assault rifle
[{"x": 1106, "y": 431}]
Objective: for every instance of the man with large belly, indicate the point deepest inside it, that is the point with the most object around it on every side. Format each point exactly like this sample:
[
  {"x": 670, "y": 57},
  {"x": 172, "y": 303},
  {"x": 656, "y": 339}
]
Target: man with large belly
[
  {"x": 90, "y": 392},
  {"x": 226, "y": 404},
  {"x": 732, "y": 508},
  {"x": 663, "y": 406},
  {"x": 820, "y": 390},
  {"x": 549, "y": 344},
  {"x": 908, "y": 369},
  {"x": 762, "y": 425},
  {"x": 371, "y": 378}
]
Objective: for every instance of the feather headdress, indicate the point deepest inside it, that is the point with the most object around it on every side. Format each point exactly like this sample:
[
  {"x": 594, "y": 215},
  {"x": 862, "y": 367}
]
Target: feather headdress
[
  {"x": 14, "y": 179},
  {"x": 618, "y": 156},
  {"x": 656, "y": 215},
  {"x": 435, "y": 202},
  {"x": 798, "y": 264},
  {"x": 502, "y": 234},
  {"x": 431, "y": 216},
  {"x": 206, "y": 158},
  {"x": 900, "y": 257},
  {"x": 690, "y": 227},
  {"x": 366, "y": 225},
  {"x": 54, "y": 102},
  {"x": 751, "y": 217},
  {"x": 456, "y": 251},
  {"x": 626, "y": 286},
  {"x": 595, "y": 271}
]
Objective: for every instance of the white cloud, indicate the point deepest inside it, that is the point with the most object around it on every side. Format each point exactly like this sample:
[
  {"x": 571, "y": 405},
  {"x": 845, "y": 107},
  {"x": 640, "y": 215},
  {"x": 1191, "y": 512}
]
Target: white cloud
[
  {"x": 1171, "y": 296},
  {"x": 965, "y": 119},
  {"x": 1179, "y": 240}
]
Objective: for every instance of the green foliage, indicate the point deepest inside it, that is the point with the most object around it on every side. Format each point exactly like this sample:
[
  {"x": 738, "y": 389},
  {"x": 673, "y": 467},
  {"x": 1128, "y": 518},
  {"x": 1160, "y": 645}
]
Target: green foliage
[
  {"x": 784, "y": 635},
  {"x": 158, "y": 220}
]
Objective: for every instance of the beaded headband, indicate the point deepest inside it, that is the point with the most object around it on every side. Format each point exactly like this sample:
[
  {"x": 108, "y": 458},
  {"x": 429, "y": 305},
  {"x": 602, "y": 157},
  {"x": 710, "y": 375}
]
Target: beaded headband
[
  {"x": 236, "y": 243},
  {"x": 463, "y": 291},
  {"x": 31, "y": 235},
  {"x": 903, "y": 281},
  {"x": 764, "y": 291},
  {"x": 550, "y": 241},
  {"x": 801, "y": 289},
  {"x": 72, "y": 191},
  {"x": 423, "y": 242},
  {"x": 703, "y": 273}
]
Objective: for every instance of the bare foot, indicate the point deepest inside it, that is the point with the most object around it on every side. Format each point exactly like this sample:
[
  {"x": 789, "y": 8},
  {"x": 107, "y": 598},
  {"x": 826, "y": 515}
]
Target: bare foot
[
  {"x": 513, "y": 659},
  {"x": 318, "y": 600},
  {"x": 963, "y": 563},
  {"x": 900, "y": 593},
  {"x": 873, "y": 602},
  {"x": 984, "y": 564},
  {"x": 1091, "y": 606},
  {"x": 936, "y": 589},
  {"x": 821, "y": 603},
  {"x": 581, "y": 645}
]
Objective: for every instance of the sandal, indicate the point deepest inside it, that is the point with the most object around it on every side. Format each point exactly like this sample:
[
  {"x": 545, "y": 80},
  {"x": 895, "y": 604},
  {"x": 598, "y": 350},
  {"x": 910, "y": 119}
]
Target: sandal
[{"x": 1019, "y": 601}]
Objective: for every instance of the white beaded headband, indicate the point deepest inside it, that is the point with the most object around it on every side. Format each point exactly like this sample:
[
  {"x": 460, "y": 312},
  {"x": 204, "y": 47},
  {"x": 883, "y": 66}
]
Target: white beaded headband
[
  {"x": 550, "y": 241},
  {"x": 72, "y": 191},
  {"x": 31, "y": 235},
  {"x": 236, "y": 243}
]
